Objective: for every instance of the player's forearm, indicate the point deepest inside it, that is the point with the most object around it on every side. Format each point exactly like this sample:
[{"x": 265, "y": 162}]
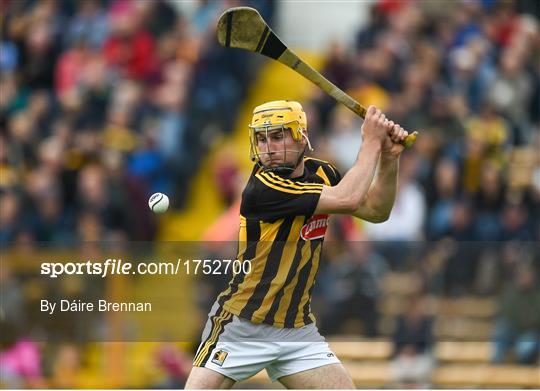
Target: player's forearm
[
  {"x": 355, "y": 184},
  {"x": 382, "y": 194}
]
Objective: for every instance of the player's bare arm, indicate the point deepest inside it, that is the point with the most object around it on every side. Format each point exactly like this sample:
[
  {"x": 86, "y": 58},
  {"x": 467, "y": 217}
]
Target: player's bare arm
[
  {"x": 350, "y": 194},
  {"x": 381, "y": 196}
]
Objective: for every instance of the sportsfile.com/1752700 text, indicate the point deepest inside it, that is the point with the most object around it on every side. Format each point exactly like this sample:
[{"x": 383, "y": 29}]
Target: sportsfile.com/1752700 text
[{"x": 113, "y": 266}]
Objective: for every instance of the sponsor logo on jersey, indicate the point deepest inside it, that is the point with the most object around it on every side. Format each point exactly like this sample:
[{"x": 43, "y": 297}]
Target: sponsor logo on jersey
[
  {"x": 315, "y": 227},
  {"x": 219, "y": 357}
]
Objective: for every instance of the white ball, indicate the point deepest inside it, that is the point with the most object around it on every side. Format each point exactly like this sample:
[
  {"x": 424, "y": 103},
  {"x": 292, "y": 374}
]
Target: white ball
[{"x": 158, "y": 203}]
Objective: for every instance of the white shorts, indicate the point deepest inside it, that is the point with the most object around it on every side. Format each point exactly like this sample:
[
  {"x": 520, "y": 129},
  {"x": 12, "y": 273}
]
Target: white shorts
[{"x": 239, "y": 349}]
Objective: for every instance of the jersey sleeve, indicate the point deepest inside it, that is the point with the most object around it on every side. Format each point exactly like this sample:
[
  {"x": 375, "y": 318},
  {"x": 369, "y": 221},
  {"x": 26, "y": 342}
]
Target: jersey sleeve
[
  {"x": 270, "y": 197},
  {"x": 325, "y": 170},
  {"x": 334, "y": 174}
]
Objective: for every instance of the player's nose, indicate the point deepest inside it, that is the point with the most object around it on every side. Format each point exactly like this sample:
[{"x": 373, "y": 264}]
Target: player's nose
[{"x": 272, "y": 146}]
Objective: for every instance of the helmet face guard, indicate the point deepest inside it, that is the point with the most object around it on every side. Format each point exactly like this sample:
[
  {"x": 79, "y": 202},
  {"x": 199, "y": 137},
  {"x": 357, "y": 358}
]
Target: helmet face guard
[
  {"x": 257, "y": 154},
  {"x": 278, "y": 116}
]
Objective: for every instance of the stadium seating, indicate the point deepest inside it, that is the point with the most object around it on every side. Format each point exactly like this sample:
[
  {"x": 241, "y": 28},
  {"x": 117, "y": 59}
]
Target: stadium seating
[
  {"x": 463, "y": 364},
  {"x": 463, "y": 327},
  {"x": 463, "y": 352}
]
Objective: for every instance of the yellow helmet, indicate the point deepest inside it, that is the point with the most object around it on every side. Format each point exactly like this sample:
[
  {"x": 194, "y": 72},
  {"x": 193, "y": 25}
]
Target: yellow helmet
[{"x": 279, "y": 114}]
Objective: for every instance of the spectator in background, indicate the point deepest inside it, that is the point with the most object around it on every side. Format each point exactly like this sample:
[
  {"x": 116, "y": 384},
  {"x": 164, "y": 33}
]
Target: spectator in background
[
  {"x": 146, "y": 164},
  {"x": 345, "y": 141},
  {"x": 535, "y": 190},
  {"x": 9, "y": 218},
  {"x": 488, "y": 201},
  {"x": 516, "y": 224},
  {"x": 518, "y": 327},
  {"x": 36, "y": 36},
  {"x": 130, "y": 48},
  {"x": 175, "y": 363},
  {"x": 442, "y": 199},
  {"x": 90, "y": 24},
  {"x": 96, "y": 197},
  {"x": 444, "y": 119},
  {"x": 352, "y": 285},
  {"x": 511, "y": 91},
  {"x": 65, "y": 366},
  {"x": 406, "y": 221},
  {"x": 227, "y": 178},
  {"x": 71, "y": 67},
  {"x": 413, "y": 362},
  {"x": 20, "y": 359},
  {"x": 462, "y": 263},
  {"x": 489, "y": 127},
  {"x": 12, "y": 293},
  {"x": 511, "y": 255}
]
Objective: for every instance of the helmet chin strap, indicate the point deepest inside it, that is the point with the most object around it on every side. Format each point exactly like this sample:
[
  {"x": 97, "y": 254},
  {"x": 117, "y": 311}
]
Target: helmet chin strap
[
  {"x": 283, "y": 171},
  {"x": 301, "y": 130}
]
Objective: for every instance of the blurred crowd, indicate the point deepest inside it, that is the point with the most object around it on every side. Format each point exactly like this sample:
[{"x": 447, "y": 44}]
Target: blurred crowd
[
  {"x": 467, "y": 215},
  {"x": 467, "y": 76},
  {"x": 106, "y": 101},
  {"x": 103, "y": 103}
]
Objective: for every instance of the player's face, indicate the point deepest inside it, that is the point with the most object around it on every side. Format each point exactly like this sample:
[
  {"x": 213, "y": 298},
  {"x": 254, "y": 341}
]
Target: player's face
[{"x": 278, "y": 148}]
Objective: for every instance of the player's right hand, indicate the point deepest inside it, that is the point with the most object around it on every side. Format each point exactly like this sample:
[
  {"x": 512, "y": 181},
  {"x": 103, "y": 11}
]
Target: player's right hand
[
  {"x": 392, "y": 144},
  {"x": 375, "y": 127}
]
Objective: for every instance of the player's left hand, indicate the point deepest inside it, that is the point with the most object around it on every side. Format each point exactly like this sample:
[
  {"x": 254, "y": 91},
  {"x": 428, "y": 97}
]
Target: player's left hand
[{"x": 396, "y": 134}]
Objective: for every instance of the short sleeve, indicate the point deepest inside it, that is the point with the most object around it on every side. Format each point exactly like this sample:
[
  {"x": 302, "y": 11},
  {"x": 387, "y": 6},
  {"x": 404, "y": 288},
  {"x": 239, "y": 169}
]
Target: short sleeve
[
  {"x": 336, "y": 176},
  {"x": 325, "y": 170},
  {"x": 271, "y": 197}
]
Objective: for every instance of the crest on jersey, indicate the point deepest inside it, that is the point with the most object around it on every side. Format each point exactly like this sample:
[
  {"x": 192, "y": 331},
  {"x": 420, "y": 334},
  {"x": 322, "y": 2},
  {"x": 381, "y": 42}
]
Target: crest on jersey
[
  {"x": 315, "y": 227},
  {"x": 219, "y": 357}
]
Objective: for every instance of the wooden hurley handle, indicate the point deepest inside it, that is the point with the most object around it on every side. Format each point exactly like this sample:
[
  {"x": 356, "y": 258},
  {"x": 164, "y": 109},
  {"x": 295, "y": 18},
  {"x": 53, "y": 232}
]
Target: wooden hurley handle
[
  {"x": 244, "y": 28},
  {"x": 294, "y": 62}
]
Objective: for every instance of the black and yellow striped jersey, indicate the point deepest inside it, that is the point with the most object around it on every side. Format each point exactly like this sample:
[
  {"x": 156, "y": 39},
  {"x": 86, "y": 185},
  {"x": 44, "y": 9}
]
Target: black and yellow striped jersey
[{"x": 283, "y": 240}]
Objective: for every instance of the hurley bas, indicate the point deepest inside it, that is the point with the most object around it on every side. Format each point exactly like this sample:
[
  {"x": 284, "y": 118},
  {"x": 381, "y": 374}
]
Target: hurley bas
[{"x": 88, "y": 306}]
